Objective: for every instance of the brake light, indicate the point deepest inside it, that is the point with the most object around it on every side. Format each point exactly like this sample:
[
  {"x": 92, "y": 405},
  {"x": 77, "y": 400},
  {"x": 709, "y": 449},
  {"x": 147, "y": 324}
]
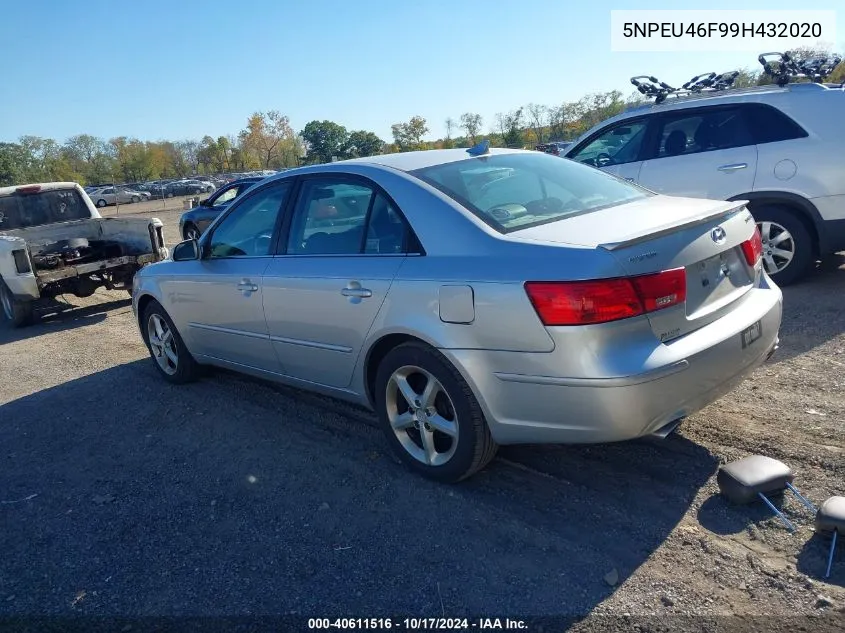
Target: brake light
[
  {"x": 753, "y": 248},
  {"x": 28, "y": 189},
  {"x": 604, "y": 300}
]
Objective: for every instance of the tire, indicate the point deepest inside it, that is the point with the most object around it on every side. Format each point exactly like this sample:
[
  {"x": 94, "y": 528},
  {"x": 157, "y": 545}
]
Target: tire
[
  {"x": 169, "y": 194},
  {"x": 136, "y": 199},
  {"x": 773, "y": 221},
  {"x": 188, "y": 229},
  {"x": 186, "y": 369},
  {"x": 101, "y": 203},
  {"x": 209, "y": 189},
  {"x": 17, "y": 313},
  {"x": 471, "y": 446}
]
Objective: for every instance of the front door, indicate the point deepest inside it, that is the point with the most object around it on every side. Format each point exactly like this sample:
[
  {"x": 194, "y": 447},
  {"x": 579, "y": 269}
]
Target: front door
[
  {"x": 219, "y": 298},
  {"x": 344, "y": 247}
]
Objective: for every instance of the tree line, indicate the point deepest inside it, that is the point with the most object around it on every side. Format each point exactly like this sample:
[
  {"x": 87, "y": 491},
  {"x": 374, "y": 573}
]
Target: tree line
[{"x": 269, "y": 142}]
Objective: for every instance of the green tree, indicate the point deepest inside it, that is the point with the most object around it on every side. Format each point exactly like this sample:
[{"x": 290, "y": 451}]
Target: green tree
[
  {"x": 11, "y": 161},
  {"x": 471, "y": 124},
  {"x": 324, "y": 140},
  {"x": 362, "y": 143},
  {"x": 408, "y": 136}
]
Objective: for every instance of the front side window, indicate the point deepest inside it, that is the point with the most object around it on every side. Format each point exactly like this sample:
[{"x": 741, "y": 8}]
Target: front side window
[
  {"x": 248, "y": 230},
  {"x": 616, "y": 146},
  {"x": 514, "y": 191},
  {"x": 702, "y": 131}
]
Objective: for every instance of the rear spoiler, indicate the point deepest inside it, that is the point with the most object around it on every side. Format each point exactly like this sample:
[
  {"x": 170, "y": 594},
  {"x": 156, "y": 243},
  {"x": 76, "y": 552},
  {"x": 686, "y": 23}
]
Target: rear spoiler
[{"x": 718, "y": 209}]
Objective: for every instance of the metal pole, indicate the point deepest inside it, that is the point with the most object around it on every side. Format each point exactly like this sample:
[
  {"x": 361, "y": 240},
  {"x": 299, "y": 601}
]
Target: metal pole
[{"x": 777, "y": 512}]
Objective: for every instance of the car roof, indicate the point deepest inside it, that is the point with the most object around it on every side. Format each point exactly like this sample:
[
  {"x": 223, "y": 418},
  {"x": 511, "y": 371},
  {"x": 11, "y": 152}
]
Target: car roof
[{"x": 409, "y": 161}]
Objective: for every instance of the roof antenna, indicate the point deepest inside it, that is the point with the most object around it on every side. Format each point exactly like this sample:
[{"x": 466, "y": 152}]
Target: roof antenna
[{"x": 480, "y": 149}]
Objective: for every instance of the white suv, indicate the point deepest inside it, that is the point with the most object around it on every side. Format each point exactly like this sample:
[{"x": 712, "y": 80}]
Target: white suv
[{"x": 780, "y": 148}]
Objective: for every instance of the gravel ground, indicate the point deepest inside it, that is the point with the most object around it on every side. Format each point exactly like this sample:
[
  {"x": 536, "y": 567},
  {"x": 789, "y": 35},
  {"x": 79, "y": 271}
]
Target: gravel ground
[{"x": 121, "y": 495}]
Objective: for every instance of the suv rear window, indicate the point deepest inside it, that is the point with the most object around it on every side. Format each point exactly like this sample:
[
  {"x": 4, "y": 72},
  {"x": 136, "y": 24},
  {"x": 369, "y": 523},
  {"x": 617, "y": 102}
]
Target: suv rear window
[
  {"x": 20, "y": 211},
  {"x": 515, "y": 191}
]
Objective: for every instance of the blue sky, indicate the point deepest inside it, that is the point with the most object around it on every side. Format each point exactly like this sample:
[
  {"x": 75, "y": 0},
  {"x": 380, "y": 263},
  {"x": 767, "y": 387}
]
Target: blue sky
[{"x": 181, "y": 69}]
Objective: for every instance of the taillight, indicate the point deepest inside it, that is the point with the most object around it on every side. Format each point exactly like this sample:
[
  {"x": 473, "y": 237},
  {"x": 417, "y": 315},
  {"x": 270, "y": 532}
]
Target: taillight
[
  {"x": 603, "y": 300},
  {"x": 28, "y": 189},
  {"x": 753, "y": 248}
]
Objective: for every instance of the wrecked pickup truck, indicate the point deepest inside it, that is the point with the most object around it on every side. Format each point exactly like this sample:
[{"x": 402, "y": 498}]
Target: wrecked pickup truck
[{"x": 54, "y": 242}]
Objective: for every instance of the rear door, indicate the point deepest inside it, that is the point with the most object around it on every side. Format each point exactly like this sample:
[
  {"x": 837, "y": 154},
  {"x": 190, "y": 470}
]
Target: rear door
[
  {"x": 704, "y": 152},
  {"x": 344, "y": 245}
]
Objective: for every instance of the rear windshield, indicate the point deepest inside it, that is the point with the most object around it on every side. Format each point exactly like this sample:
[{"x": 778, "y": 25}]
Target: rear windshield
[
  {"x": 516, "y": 191},
  {"x": 20, "y": 211}
]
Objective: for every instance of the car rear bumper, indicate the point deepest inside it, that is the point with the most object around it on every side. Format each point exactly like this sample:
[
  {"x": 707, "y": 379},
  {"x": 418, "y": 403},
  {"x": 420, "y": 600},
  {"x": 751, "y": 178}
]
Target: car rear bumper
[{"x": 693, "y": 371}]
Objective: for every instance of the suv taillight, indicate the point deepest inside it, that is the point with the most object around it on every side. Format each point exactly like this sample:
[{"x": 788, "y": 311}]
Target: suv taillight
[
  {"x": 753, "y": 248},
  {"x": 603, "y": 300}
]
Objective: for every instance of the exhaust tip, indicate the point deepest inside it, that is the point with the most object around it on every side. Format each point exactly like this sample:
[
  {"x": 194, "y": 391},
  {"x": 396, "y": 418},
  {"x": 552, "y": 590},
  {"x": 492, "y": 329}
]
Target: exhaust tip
[{"x": 667, "y": 429}]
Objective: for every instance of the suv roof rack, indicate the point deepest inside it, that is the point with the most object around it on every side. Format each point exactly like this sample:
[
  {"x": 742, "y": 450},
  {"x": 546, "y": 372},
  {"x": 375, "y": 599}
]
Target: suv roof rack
[
  {"x": 781, "y": 66},
  {"x": 784, "y": 67},
  {"x": 706, "y": 82}
]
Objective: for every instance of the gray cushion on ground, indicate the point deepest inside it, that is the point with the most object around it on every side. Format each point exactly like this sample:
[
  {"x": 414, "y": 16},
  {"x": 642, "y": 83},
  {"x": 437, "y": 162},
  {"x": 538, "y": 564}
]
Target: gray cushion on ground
[
  {"x": 740, "y": 481},
  {"x": 831, "y": 516}
]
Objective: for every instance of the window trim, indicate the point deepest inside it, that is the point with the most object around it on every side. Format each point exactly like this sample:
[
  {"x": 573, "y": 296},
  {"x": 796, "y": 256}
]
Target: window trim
[
  {"x": 411, "y": 245},
  {"x": 648, "y": 133},
  {"x": 205, "y": 241}
]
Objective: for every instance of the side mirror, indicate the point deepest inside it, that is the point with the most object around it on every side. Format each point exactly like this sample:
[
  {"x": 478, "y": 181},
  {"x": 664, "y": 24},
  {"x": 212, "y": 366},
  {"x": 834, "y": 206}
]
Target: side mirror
[{"x": 186, "y": 251}]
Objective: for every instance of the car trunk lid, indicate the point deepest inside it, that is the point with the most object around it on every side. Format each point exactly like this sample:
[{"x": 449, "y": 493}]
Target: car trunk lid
[{"x": 703, "y": 237}]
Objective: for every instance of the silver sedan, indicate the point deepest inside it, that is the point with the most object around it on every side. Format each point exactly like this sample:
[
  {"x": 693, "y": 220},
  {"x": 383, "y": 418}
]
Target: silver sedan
[{"x": 471, "y": 298}]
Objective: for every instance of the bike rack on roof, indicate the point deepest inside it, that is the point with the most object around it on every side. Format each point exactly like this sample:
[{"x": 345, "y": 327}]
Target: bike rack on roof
[
  {"x": 707, "y": 82},
  {"x": 783, "y": 67}
]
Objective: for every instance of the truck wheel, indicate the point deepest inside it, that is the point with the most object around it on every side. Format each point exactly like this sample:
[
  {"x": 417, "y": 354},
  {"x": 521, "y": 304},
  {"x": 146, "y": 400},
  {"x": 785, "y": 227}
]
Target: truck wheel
[{"x": 17, "y": 312}]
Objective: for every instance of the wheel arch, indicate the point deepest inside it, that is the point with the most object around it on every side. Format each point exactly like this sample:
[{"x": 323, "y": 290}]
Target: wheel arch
[
  {"x": 806, "y": 212},
  {"x": 376, "y": 352}
]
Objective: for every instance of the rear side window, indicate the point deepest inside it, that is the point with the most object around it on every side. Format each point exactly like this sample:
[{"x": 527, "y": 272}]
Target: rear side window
[
  {"x": 769, "y": 125},
  {"x": 20, "y": 211},
  {"x": 702, "y": 130}
]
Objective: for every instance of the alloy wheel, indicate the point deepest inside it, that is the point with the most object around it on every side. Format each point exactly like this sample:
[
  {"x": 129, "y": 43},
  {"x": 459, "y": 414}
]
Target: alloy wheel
[
  {"x": 778, "y": 246},
  {"x": 162, "y": 344},
  {"x": 422, "y": 415}
]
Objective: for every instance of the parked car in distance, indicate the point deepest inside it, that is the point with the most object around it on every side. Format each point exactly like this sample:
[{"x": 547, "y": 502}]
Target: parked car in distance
[
  {"x": 779, "y": 148},
  {"x": 558, "y": 304},
  {"x": 183, "y": 188},
  {"x": 105, "y": 196},
  {"x": 556, "y": 148},
  {"x": 193, "y": 223}
]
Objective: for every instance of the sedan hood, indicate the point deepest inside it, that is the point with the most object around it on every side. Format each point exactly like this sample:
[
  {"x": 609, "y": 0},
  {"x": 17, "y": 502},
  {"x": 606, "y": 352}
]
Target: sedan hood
[{"x": 627, "y": 224}]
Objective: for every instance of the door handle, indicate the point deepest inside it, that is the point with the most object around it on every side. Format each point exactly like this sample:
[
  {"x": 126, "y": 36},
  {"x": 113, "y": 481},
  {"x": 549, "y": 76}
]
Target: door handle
[
  {"x": 361, "y": 293},
  {"x": 732, "y": 167},
  {"x": 246, "y": 286},
  {"x": 630, "y": 179}
]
